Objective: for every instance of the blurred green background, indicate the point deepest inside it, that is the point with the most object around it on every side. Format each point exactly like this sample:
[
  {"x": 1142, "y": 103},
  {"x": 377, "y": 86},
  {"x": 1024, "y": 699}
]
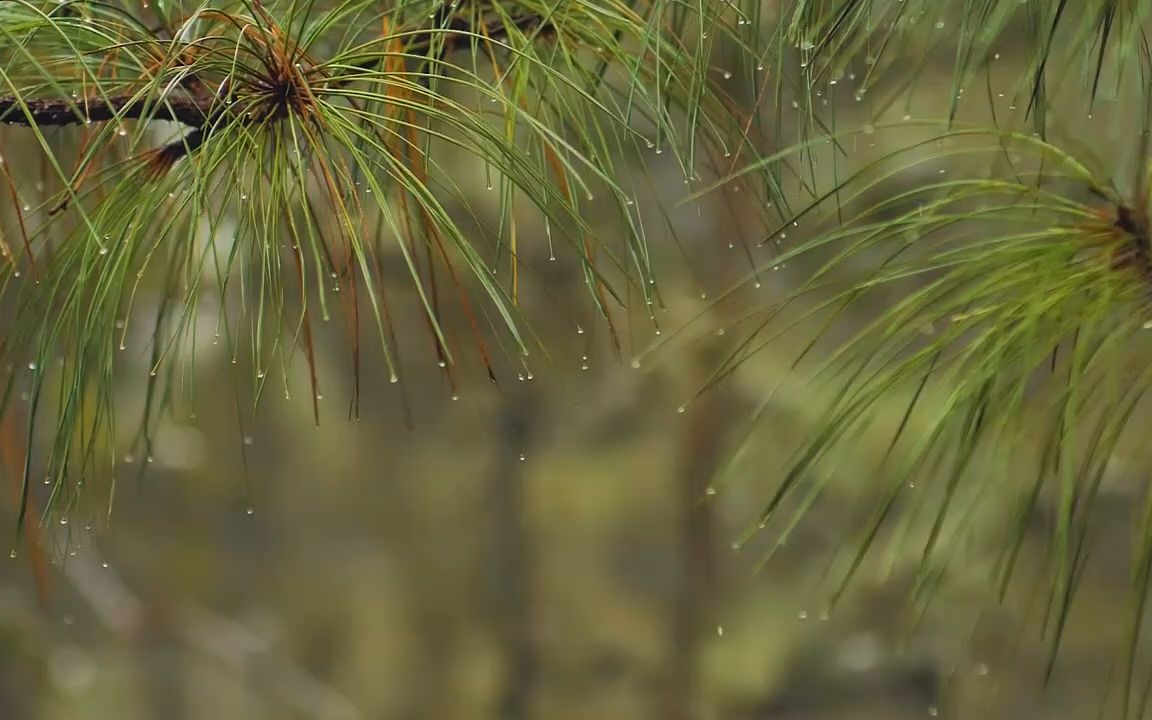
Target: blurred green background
[{"x": 546, "y": 548}]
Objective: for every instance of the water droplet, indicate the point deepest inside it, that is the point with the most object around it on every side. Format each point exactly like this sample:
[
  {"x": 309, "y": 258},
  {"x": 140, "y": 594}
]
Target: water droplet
[
  {"x": 247, "y": 439},
  {"x": 720, "y": 631},
  {"x": 681, "y": 409},
  {"x": 803, "y": 615},
  {"x": 933, "y": 711},
  {"x": 523, "y": 457},
  {"x": 250, "y": 511},
  {"x": 710, "y": 491},
  {"x": 12, "y": 554},
  {"x": 31, "y": 366},
  {"x": 636, "y": 364}
]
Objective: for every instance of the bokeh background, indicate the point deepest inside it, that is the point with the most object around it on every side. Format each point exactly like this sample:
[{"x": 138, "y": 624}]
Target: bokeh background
[{"x": 547, "y": 548}]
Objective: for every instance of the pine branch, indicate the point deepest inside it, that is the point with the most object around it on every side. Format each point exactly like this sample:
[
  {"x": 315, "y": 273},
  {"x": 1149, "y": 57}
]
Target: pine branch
[{"x": 195, "y": 112}]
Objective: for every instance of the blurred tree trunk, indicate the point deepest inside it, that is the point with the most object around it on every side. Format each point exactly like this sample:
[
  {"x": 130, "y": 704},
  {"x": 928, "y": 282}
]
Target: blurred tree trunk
[
  {"x": 511, "y": 559},
  {"x": 704, "y": 427}
]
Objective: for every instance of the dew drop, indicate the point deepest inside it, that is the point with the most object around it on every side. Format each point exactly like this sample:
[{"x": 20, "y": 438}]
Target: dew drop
[
  {"x": 710, "y": 491},
  {"x": 719, "y": 629},
  {"x": 250, "y": 511}
]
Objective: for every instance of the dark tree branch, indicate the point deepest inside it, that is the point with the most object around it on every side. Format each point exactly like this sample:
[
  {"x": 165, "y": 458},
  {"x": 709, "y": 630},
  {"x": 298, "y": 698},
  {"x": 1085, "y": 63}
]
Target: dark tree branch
[{"x": 193, "y": 112}]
